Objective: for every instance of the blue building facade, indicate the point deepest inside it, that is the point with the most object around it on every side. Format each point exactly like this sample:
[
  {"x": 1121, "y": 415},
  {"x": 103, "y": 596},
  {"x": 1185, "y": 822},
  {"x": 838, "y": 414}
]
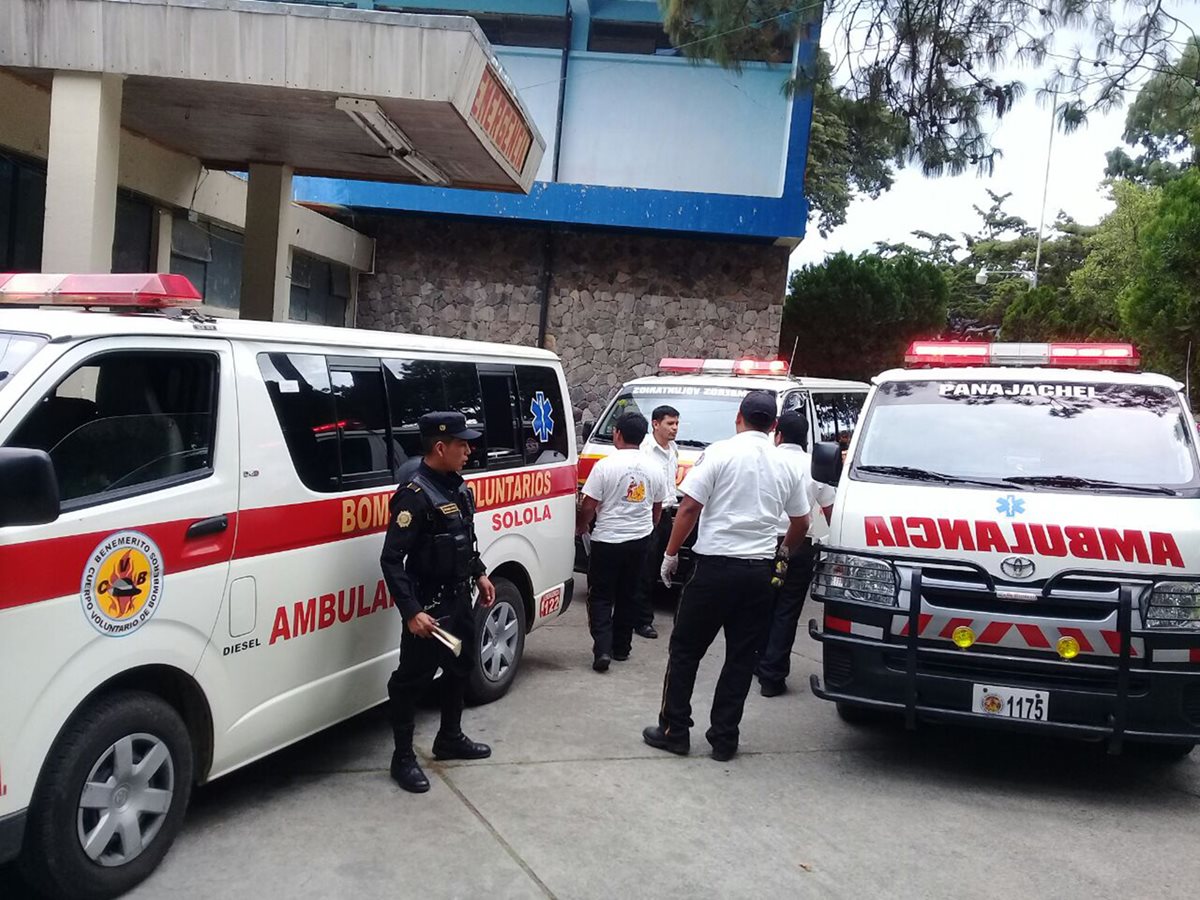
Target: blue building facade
[{"x": 666, "y": 184}]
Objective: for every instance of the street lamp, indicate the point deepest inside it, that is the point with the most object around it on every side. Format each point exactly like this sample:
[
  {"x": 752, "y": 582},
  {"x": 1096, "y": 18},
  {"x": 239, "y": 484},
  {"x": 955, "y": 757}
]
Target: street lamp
[{"x": 981, "y": 277}]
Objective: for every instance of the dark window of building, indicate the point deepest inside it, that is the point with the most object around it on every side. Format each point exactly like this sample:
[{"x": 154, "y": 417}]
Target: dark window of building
[
  {"x": 300, "y": 390},
  {"x": 127, "y": 423},
  {"x": 543, "y": 415},
  {"x": 133, "y": 234},
  {"x": 363, "y": 427},
  {"x": 627, "y": 37},
  {"x": 501, "y": 418},
  {"x": 22, "y": 214},
  {"x": 320, "y": 291},
  {"x": 211, "y": 257}
]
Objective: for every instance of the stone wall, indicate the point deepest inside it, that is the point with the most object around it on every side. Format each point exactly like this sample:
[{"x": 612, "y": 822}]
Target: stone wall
[{"x": 619, "y": 302}]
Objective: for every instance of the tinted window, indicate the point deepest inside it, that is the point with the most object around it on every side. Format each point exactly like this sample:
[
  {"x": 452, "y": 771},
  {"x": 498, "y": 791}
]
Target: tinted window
[
  {"x": 364, "y": 435},
  {"x": 543, "y": 415},
  {"x": 502, "y": 425},
  {"x": 463, "y": 395},
  {"x": 300, "y": 390},
  {"x": 127, "y": 420},
  {"x": 837, "y": 416},
  {"x": 416, "y": 387}
]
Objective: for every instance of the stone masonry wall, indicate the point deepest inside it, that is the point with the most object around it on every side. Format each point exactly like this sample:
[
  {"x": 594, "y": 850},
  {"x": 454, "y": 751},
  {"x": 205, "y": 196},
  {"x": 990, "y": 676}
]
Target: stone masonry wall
[{"x": 619, "y": 302}]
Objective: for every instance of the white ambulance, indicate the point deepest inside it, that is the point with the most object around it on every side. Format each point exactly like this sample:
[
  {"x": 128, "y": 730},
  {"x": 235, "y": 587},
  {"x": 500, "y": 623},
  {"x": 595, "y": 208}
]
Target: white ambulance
[
  {"x": 707, "y": 393},
  {"x": 1018, "y": 547},
  {"x": 191, "y": 517}
]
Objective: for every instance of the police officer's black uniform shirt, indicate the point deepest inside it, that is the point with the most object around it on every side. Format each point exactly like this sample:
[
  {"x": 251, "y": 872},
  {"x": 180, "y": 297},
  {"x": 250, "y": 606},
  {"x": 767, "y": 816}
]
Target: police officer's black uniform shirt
[{"x": 411, "y": 522}]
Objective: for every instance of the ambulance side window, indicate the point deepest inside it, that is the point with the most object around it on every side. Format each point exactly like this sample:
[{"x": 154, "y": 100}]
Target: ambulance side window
[
  {"x": 127, "y": 423},
  {"x": 464, "y": 395},
  {"x": 363, "y": 426},
  {"x": 543, "y": 416},
  {"x": 302, "y": 394},
  {"x": 414, "y": 387}
]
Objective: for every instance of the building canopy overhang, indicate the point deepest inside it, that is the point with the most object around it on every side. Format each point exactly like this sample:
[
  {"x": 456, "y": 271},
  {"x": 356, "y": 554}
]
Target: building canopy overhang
[{"x": 328, "y": 92}]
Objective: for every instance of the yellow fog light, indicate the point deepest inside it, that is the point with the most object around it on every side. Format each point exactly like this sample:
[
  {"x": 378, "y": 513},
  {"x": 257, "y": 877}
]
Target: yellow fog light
[
  {"x": 963, "y": 636},
  {"x": 1068, "y": 647}
]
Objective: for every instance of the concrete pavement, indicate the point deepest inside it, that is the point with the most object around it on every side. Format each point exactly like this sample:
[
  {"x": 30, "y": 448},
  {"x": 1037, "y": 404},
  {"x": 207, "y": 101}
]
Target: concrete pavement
[{"x": 574, "y": 805}]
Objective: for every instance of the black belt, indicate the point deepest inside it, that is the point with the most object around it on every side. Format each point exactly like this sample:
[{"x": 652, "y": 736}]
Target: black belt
[{"x": 736, "y": 561}]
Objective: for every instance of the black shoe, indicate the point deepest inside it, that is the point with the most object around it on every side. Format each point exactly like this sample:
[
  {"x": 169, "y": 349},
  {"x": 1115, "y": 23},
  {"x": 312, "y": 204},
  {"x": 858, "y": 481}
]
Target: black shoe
[
  {"x": 773, "y": 688},
  {"x": 646, "y": 631},
  {"x": 655, "y": 737},
  {"x": 461, "y": 747},
  {"x": 723, "y": 754},
  {"x": 620, "y": 655},
  {"x": 407, "y": 773},
  {"x": 600, "y": 663}
]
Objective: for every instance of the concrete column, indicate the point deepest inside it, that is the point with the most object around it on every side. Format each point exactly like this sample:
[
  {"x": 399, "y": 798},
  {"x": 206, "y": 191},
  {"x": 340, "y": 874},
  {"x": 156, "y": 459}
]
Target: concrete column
[
  {"x": 164, "y": 234},
  {"x": 81, "y": 172},
  {"x": 266, "y": 262}
]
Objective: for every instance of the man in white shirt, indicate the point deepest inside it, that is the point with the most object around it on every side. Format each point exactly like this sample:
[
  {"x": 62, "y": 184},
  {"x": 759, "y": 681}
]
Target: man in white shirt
[
  {"x": 624, "y": 493},
  {"x": 739, "y": 489},
  {"x": 791, "y": 437},
  {"x": 660, "y": 446}
]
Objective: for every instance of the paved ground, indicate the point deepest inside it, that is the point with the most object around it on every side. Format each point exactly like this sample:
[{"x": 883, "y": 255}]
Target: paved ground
[{"x": 574, "y": 805}]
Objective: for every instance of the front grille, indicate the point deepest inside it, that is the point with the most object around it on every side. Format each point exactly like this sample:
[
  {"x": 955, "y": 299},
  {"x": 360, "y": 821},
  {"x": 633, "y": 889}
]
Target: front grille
[
  {"x": 839, "y": 665},
  {"x": 1078, "y": 599}
]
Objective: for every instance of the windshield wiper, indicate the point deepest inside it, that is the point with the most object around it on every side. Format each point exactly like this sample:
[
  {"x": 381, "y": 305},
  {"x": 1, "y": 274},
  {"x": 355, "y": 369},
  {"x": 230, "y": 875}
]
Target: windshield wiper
[
  {"x": 1075, "y": 481},
  {"x": 688, "y": 442},
  {"x": 916, "y": 474}
]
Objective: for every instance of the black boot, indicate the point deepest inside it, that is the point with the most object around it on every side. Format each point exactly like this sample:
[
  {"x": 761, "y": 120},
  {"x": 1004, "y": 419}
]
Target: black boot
[
  {"x": 458, "y": 746},
  {"x": 407, "y": 773}
]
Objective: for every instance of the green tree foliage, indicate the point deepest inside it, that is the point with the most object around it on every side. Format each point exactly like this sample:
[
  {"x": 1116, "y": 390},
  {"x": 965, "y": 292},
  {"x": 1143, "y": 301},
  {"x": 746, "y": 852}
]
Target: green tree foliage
[
  {"x": 1163, "y": 123},
  {"x": 1161, "y": 306},
  {"x": 853, "y": 316}
]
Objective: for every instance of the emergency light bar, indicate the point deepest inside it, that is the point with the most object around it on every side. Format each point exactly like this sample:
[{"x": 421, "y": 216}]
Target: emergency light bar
[
  {"x": 930, "y": 354},
  {"x": 743, "y": 366},
  {"x": 119, "y": 290}
]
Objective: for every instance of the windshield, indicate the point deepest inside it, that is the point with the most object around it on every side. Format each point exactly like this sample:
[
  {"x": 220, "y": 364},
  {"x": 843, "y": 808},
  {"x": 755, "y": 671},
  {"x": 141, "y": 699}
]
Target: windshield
[
  {"x": 1057, "y": 436},
  {"x": 15, "y": 351},
  {"x": 706, "y": 414}
]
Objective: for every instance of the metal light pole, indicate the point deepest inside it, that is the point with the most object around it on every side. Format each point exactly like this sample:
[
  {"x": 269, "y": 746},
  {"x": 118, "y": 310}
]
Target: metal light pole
[{"x": 1037, "y": 259}]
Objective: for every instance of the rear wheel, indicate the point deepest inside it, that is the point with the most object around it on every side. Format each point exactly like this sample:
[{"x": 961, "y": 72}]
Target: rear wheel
[
  {"x": 111, "y": 798},
  {"x": 500, "y": 644}
]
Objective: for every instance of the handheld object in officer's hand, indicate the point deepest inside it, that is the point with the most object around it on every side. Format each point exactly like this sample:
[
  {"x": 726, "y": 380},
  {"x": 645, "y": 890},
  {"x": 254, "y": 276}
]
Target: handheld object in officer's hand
[{"x": 453, "y": 644}]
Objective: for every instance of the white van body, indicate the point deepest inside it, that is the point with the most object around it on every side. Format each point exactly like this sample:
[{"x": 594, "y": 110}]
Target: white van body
[
  {"x": 1019, "y": 547},
  {"x": 219, "y": 538}
]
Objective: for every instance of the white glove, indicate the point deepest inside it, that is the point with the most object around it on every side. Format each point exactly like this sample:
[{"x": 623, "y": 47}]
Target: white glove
[{"x": 669, "y": 566}]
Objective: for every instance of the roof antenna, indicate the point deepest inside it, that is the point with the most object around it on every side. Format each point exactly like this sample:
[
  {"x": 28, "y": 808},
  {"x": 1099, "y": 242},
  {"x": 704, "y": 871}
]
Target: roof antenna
[
  {"x": 1187, "y": 375},
  {"x": 796, "y": 343}
]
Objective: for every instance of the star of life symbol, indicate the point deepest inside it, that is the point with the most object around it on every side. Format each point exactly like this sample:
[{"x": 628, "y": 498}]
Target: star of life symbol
[
  {"x": 543, "y": 416},
  {"x": 1010, "y": 506}
]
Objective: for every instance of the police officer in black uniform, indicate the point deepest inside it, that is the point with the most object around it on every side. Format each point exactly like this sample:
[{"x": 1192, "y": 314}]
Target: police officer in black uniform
[{"x": 430, "y": 562}]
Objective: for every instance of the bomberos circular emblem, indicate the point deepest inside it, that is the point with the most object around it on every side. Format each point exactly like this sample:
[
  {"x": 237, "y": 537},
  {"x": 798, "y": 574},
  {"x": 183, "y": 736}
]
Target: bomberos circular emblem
[{"x": 122, "y": 583}]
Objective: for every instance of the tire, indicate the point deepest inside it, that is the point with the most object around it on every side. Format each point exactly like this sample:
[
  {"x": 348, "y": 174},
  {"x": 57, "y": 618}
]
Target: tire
[
  {"x": 494, "y": 671},
  {"x": 91, "y": 749}
]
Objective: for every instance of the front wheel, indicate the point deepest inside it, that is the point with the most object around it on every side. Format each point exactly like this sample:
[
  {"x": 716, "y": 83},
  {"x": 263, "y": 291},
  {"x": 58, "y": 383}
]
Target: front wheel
[
  {"x": 111, "y": 798},
  {"x": 500, "y": 644}
]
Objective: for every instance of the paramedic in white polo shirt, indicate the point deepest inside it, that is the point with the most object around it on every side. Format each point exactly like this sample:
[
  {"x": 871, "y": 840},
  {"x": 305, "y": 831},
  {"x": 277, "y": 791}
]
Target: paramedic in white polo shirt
[
  {"x": 660, "y": 446},
  {"x": 738, "y": 490},
  {"x": 791, "y": 437},
  {"x": 624, "y": 493}
]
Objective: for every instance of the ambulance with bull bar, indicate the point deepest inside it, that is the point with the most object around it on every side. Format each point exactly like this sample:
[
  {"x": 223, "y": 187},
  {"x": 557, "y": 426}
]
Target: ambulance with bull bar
[
  {"x": 707, "y": 393},
  {"x": 1016, "y": 543},
  {"x": 192, "y": 513}
]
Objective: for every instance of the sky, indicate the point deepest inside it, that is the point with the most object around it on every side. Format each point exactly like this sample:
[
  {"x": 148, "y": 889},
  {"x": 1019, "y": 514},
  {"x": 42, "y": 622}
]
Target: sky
[{"x": 947, "y": 204}]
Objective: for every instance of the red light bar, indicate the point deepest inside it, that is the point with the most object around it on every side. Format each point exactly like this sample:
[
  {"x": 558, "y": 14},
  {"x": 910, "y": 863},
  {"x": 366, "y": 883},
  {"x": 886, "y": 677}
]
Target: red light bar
[
  {"x": 743, "y": 366},
  {"x": 760, "y": 366},
  {"x": 671, "y": 364},
  {"x": 116, "y": 290},
  {"x": 966, "y": 353}
]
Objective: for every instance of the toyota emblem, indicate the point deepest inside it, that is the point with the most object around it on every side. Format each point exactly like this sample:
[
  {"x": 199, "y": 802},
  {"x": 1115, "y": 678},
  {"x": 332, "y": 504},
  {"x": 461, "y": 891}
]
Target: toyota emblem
[{"x": 1018, "y": 567}]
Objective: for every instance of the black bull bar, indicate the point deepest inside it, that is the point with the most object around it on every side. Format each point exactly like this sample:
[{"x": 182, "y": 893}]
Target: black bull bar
[{"x": 1115, "y": 731}]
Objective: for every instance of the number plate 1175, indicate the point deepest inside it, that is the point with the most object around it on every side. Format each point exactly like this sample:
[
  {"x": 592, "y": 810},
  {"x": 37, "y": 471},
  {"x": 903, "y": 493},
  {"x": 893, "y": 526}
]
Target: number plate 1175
[{"x": 1010, "y": 703}]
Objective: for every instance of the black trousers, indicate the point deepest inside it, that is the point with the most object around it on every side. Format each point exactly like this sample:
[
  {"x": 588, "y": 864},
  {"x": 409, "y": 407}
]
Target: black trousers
[
  {"x": 776, "y": 660},
  {"x": 613, "y": 574},
  {"x": 727, "y": 594},
  {"x": 420, "y": 659},
  {"x": 643, "y": 608}
]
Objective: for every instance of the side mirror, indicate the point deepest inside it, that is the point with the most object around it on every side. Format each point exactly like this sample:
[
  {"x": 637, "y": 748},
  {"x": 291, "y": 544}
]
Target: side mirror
[
  {"x": 586, "y": 424},
  {"x": 28, "y": 487},
  {"x": 827, "y": 463}
]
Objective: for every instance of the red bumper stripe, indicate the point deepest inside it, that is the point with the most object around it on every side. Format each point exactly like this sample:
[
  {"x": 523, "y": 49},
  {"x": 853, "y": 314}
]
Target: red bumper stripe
[
  {"x": 1033, "y": 636},
  {"x": 832, "y": 623}
]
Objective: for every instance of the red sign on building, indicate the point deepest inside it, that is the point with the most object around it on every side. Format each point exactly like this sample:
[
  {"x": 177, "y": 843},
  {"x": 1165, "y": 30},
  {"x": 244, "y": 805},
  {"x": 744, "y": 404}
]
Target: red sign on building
[{"x": 501, "y": 120}]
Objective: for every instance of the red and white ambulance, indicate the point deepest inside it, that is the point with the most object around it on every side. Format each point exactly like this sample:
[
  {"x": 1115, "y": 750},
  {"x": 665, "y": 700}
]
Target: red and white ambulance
[
  {"x": 191, "y": 517},
  {"x": 1016, "y": 543},
  {"x": 707, "y": 393}
]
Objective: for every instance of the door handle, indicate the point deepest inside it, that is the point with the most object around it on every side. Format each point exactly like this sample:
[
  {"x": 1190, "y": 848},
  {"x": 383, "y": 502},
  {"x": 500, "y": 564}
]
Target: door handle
[{"x": 212, "y": 525}]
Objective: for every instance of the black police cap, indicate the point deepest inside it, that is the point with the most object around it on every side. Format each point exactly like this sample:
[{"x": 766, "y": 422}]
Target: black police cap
[
  {"x": 758, "y": 408},
  {"x": 447, "y": 425}
]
